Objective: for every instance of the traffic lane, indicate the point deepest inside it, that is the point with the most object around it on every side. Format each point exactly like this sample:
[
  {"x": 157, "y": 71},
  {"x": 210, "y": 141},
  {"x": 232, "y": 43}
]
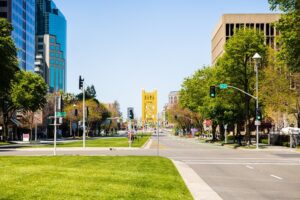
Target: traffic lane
[
  {"x": 256, "y": 182},
  {"x": 187, "y": 147},
  {"x": 172, "y": 142}
]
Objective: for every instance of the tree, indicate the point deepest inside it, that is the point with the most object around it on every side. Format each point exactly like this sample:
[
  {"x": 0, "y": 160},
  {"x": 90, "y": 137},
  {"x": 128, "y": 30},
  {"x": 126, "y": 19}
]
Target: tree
[
  {"x": 90, "y": 93},
  {"x": 194, "y": 95},
  {"x": 289, "y": 27},
  {"x": 115, "y": 113},
  {"x": 183, "y": 118},
  {"x": 274, "y": 90},
  {"x": 97, "y": 113},
  {"x": 237, "y": 67},
  {"x": 8, "y": 58},
  {"x": 28, "y": 91}
]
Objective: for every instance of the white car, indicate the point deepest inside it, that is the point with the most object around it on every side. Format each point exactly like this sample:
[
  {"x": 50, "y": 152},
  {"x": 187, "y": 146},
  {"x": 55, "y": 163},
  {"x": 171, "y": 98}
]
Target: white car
[{"x": 290, "y": 130}]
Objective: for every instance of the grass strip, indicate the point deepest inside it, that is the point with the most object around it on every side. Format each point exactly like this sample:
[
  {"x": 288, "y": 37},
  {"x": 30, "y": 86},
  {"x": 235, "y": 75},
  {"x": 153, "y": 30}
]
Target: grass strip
[{"x": 90, "y": 177}]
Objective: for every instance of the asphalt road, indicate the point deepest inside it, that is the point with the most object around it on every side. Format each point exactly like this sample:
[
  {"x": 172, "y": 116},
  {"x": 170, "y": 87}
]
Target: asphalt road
[{"x": 233, "y": 174}]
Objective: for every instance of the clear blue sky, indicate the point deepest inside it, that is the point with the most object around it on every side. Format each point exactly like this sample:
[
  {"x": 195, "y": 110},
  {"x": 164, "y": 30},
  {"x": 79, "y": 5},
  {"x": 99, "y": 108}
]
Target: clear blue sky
[{"x": 122, "y": 46}]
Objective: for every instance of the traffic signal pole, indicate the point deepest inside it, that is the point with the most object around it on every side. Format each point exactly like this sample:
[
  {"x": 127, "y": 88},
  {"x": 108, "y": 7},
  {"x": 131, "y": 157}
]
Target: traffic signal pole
[
  {"x": 257, "y": 124},
  {"x": 83, "y": 114},
  {"x": 55, "y": 131}
]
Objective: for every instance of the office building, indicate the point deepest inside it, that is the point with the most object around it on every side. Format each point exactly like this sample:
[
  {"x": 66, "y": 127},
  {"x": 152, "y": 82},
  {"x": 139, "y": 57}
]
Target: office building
[
  {"x": 231, "y": 22},
  {"x": 173, "y": 97},
  {"x": 21, "y": 14},
  {"x": 51, "y": 33}
]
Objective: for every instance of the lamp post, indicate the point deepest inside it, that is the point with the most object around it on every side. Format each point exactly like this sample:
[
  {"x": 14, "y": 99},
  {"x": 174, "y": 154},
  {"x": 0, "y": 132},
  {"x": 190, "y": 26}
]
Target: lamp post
[{"x": 256, "y": 59}]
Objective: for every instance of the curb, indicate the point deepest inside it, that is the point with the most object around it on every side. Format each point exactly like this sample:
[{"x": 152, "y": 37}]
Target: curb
[
  {"x": 148, "y": 144},
  {"x": 198, "y": 188}
]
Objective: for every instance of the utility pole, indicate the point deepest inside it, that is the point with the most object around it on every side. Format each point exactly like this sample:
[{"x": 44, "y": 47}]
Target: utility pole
[
  {"x": 54, "y": 150},
  {"x": 157, "y": 134},
  {"x": 256, "y": 58},
  {"x": 83, "y": 111},
  {"x": 81, "y": 87}
]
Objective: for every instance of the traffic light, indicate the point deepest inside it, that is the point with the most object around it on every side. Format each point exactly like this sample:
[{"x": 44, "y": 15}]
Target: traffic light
[
  {"x": 258, "y": 115},
  {"x": 212, "y": 91},
  {"x": 80, "y": 82},
  {"x": 131, "y": 115}
]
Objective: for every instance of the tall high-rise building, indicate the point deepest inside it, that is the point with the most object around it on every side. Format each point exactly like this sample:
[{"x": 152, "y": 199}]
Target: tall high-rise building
[
  {"x": 51, "y": 33},
  {"x": 231, "y": 22},
  {"x": 21, "y": 13}
]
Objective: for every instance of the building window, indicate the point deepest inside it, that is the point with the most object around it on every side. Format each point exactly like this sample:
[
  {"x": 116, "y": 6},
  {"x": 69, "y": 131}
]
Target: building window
[
  {"x": 40, "y": 46},
  {"x": 52, "y": 40},
  {"x": 40, "y": 39},
  {"x": 227, "y": 29},
  {"x": 267, "y": 29},
  {"x": 52, "y": 47},
  {"x": 3, "y": 3},
  {"x": 3, "y": 14}
]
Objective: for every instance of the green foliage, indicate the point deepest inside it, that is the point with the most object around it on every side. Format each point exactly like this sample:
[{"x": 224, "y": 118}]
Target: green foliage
[
  {"x": 28, "y": 91},
  {"x": 283, "y": 5},
  {"x": 90, "y": 93},
  {"x": 8, "y": 57},
  {"x": 289, "y": 27},
  {"x": 265, "y": 141}
]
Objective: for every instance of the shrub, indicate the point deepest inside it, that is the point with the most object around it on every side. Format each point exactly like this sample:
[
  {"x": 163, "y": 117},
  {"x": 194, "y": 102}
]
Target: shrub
[
  {"x": 265, "y": 141},
  {"x": 286, "y": 144}
]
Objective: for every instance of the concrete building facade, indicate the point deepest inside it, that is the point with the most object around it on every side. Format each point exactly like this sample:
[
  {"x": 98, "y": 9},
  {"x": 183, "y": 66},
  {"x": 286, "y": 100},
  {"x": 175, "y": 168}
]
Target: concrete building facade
[{"x": 229, "y": 23}]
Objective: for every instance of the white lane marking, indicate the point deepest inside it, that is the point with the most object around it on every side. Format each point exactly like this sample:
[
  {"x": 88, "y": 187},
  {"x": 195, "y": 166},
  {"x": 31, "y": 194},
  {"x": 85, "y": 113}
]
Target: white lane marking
[
  {"x": 240, "y": 163},
  {"x": 249, "y": 167},
  {"x": 276, "y": 177}
]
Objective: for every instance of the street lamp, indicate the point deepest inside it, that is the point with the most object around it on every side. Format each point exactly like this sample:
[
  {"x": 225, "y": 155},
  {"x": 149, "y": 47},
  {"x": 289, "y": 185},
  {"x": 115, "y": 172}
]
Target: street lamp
[{"x": 256, "y": 59}]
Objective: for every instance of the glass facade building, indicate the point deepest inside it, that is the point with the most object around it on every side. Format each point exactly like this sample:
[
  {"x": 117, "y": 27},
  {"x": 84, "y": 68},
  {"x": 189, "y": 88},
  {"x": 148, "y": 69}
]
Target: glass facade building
[
  {"x": 21, "y": 13},
  {"x": 51, "y": 31}
]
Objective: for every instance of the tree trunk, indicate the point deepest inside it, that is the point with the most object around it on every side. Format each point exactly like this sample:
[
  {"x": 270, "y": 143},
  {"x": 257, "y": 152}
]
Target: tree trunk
[
  {"x": 222, "y": 131},
  {"x": 298, "y": 119},
  {"x": 5, "y": 128},
  {"x": 247, "y": 118},
  {"x": 214, "y": 127}
]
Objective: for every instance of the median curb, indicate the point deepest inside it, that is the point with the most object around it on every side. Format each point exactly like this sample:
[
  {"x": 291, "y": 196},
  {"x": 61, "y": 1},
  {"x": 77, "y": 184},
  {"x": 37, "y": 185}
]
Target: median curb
[{"x": 198, "y": 188}]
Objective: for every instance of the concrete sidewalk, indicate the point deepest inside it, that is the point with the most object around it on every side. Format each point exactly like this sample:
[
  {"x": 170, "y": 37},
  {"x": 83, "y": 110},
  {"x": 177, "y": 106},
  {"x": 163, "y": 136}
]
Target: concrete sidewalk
[{"x": 198, "y": 188}]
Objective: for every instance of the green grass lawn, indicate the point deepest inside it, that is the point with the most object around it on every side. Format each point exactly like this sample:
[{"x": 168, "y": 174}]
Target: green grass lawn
[
  {"x": 94, "y": 177},
  {"x": 4, "y": 143},
  {"x": 107, "y": 142},
  {"x": 102, "y": 142}
]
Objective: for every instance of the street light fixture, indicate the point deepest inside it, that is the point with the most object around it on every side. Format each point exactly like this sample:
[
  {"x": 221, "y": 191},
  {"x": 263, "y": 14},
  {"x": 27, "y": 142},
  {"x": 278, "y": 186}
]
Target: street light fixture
[{"x": 256, "y": 59}]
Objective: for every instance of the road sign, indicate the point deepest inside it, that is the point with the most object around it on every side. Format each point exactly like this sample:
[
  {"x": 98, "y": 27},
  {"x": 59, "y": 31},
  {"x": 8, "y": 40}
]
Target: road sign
[
  {"x": 257, "y": 123},
  {"x": 223, "y": 86},
  {"x": 61, "y": 114}
]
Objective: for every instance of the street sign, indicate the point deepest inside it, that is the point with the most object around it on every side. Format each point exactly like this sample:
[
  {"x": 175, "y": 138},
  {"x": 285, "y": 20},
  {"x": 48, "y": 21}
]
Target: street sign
[
  {"x": 257, "y": 123},
  {"x": 61, "y": 114},
  {"x": 223, "y": 86}
]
